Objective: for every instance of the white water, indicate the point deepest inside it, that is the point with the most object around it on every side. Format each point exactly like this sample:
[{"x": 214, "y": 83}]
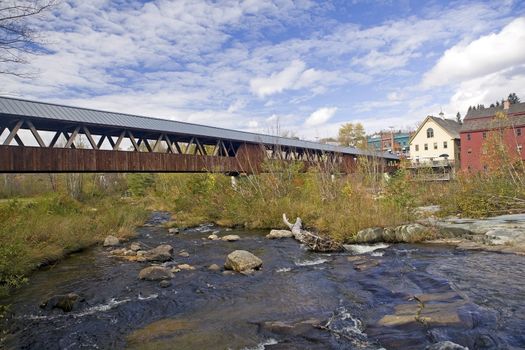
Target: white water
[
  {"x": 365, "y": 248},
  {"x": 310, "y": 262}
]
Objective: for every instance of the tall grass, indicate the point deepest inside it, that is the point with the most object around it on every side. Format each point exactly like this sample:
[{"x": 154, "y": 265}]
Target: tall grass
[
  {"x": 43, "y": 229},
  {"x": 338, "y": 205}
]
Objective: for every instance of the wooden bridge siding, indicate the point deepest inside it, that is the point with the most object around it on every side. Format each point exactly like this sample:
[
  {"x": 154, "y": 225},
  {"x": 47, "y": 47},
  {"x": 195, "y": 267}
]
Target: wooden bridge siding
[{"x": 16, "y": 159}]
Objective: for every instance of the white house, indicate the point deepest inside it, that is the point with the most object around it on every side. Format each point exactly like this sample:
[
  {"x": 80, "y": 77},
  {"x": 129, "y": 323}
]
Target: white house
[{"x": 436, "y": 143}]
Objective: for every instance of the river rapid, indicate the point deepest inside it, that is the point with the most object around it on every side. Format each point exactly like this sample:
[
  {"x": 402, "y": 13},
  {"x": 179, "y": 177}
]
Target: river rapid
[{"x": 395, "y": 297}]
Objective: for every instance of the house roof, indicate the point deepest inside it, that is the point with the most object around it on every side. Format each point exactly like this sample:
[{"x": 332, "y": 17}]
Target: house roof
[
  {"x": 483, "y": 119},
  {"x": 451, "y": 126}
]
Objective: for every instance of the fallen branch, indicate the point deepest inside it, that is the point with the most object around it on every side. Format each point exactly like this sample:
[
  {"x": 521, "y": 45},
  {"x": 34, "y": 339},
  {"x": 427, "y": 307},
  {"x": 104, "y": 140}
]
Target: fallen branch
[{"x": 313, "y": 241}]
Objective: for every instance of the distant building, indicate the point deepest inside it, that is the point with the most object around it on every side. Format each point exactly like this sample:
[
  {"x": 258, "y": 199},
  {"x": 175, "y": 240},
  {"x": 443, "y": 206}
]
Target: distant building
[
  {"x": 477, "y": 125},
  {"x": 435, "y": 144},
  {"x": 390, "y": 141}
]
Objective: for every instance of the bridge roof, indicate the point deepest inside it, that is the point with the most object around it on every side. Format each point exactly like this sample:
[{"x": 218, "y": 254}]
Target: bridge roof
[{"x": 68, "y": 114}]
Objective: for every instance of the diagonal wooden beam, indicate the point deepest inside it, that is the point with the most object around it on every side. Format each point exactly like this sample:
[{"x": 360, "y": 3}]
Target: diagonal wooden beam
[
  {"x": 101, "y": 141},
  {"x": 202, "y": 151},
  {"x": 55, "y": 139},
  {"x": 71, "y": 142},
  {"x": 216, "y": 148},
  {"x": 177, "y": 146},
  {"x": 35, "y": 133},
  {"x": 90, "y": 138},
  {"x": 158, "y": 143},
  {"x": 169, "y": 143},
  {"x": 186, "y": 151},
  {"x": 19, "y": 140},
  {"x": 13, "y": 133},
  {"x": 133, "y": 141},
  {"x": 148, "y": 146}
]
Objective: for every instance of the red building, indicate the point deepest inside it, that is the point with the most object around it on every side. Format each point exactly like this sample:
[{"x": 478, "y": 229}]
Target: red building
[{"x": 477, "y": 126}]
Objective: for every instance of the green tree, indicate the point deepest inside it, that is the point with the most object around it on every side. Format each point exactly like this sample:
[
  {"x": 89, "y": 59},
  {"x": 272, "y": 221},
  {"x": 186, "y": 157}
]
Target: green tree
[
  {"x": 513, "y": 98},
  {"x": 352, "y": 135},
  {"x": 458, "y": 118}
]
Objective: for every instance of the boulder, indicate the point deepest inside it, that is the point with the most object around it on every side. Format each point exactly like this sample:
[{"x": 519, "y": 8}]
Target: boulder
[
  {"x": 276, "y": 234},
  {"x": 242, "y": 260},
  {"x": 65, "y": 302},
  {"x": 446, "y": 345},
  {"x": 214, "y": 267},
  {"x": 155, "y": 273},
  {"x": 141, "y": 252},
  {"x": 160, "y": 253},
  {"x": 173, "y": 230},
  {"x": 213, "y": 237},
  {"x": 111, "y": 241},
  {"x": 184, "y": 254},
  {"x": 231, "y": 238},
  {"x": 121, "y": 251},
  {"x": 164, "y": 284},
  {"x": 185, "y": 267},
  {"x": 135, "y": 247},
  {"x": 370, "y": 235}
]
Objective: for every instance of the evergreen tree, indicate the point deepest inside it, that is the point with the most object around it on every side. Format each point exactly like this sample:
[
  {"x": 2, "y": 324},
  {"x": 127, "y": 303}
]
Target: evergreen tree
[
  {"x": 513, "y": 98},
  {"x": 458, "y": 117}
]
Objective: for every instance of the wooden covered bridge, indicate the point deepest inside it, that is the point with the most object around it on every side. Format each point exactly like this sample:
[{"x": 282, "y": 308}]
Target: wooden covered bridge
[{"x": 44, "y": 137}]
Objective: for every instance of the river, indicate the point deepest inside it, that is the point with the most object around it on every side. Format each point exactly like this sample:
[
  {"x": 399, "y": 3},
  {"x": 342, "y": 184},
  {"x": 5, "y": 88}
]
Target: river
[{"x": 398, "y": 297}]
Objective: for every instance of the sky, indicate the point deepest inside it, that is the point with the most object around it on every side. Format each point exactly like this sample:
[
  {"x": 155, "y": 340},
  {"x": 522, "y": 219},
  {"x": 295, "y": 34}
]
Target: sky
[{"x": 303, "y": 67}]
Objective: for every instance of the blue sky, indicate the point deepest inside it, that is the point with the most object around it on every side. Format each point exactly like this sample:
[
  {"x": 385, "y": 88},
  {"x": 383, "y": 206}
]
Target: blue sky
[{"x": 300, "y": 66}]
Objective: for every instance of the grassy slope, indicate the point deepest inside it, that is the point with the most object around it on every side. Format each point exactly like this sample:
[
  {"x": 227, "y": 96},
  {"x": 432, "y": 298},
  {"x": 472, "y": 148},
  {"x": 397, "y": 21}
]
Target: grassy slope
[{"x": 45, "y": 228}]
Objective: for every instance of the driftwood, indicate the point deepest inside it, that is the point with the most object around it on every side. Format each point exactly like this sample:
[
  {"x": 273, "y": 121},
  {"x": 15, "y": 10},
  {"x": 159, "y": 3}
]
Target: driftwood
[{"x": 313, "y": 241}]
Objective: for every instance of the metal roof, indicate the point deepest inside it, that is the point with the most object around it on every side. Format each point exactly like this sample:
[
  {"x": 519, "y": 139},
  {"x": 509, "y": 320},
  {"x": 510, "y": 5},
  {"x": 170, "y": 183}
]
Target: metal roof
[{"x": 43, "y": 110}]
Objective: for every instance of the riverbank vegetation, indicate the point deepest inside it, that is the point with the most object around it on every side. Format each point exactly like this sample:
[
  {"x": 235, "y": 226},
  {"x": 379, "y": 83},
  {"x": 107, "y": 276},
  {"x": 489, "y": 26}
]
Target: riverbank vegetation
[{"x": 58, "y": 216}]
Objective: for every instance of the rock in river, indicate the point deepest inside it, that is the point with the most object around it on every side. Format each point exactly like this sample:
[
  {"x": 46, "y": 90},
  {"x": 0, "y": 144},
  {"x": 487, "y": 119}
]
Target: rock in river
[
  {"x": 65, "y": 302},
  {"x": 231, "y": 238},
  {"x": 213, "y": 237},
  {"x": 242, "y": 260},
  {"x": 111, "y": 241},
  {"x": 155, "y": 273},
  {"x": 135, "y": 246},
  {"x": 445, "y": 345},
  {"x": 279, "y": 234},
  {"x": 160, "y": 253}
]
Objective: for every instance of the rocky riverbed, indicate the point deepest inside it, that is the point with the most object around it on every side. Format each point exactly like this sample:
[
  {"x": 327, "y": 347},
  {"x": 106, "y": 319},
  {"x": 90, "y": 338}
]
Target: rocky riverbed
[{"x": 380, "y": 296}]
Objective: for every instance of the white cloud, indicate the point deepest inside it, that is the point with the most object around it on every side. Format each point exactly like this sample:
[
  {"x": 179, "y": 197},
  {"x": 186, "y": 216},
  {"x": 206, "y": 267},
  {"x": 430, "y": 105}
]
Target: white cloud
[
  {"x": 486, "y": 55},
  {"x": 320, "y": 116}
]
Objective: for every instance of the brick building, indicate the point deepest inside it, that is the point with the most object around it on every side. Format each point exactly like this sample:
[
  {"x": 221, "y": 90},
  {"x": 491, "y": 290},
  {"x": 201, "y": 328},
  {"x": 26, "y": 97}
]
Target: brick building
[{"x": 477, "y": 126}]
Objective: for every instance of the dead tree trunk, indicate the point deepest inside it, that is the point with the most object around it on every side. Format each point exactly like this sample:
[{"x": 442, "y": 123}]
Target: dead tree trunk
[{"x": 313, "y": 241}]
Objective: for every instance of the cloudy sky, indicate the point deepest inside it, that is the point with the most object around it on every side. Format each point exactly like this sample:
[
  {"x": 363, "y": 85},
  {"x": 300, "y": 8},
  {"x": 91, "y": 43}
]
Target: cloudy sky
[{"x": 259, "y": 65}]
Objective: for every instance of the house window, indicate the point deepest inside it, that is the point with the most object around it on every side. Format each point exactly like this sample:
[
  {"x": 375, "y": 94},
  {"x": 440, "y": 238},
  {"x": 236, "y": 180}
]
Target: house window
[
  {"x": 468, "y": 136},
  {"x": 469, "y": 151},
  {"x": 520, "y": 148},
  {"x": 484, "y": 135},
  {"x": 435, "y": 145},
  {"x": 430, "y": 133},
  {"x": 485, "y": 167},
  {"x": 469, "y": 168},
  {"x": 426, "y": 146},
  {"x": 417, "y": 148},
  {"x": 518, "y": 132},
  {"x": 445, "y": 144}
]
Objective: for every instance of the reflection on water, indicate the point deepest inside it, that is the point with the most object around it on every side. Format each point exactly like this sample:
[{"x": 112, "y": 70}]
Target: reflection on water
[{"x": 398, "y": 297}]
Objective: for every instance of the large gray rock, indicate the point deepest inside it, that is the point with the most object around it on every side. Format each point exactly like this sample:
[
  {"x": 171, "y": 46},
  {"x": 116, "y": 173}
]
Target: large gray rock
[
  {"x": 370, "y": 235},
  {"x": 65, "y": 302},
  {"x": 161, "y": 253},
  {"x": 275, "y": 234},
  {"x": 155, "y": 273},
  {"x": 111, "y": 241},
  {"x": 446, "y": 345},
  {"x": 242, "y": 260},
  {"x": 231, "y": 238}
]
